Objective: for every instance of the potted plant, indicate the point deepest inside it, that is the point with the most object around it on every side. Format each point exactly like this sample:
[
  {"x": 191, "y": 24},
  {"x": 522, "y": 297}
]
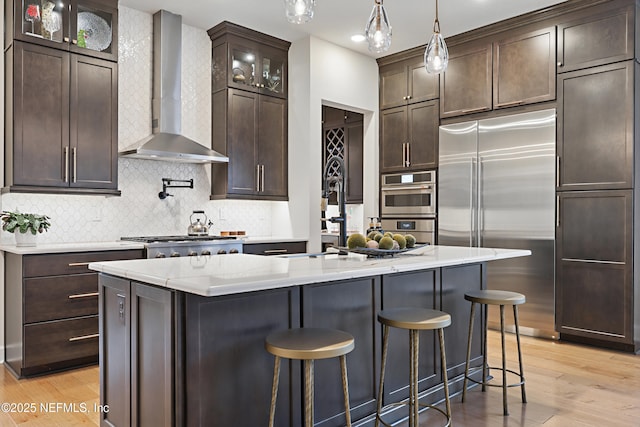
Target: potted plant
[{"x": 25, "y": 226}]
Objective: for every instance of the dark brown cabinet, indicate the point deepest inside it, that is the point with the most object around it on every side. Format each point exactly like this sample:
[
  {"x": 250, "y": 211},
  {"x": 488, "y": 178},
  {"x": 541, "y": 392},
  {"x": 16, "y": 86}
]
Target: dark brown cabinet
[
  {"x": 406, "y": 82},
  {"x": 524, "y": 68},
  {"x": 597, "y": 39},
  {"x": 251, "y": 129},
  {"x": 138, "y": 358},
  {"x": 512, "y": 69},
  {"x": 275, "y": 248},
  {"x": 248, "y": 60},
  {"x": 409, "y": 137},
  {"x": 343, "y": 136},
  {"x": 465, "y": 87},
  {"x": 595, "y": 127},
  {"x": 62, "y": 118},
  {"x": 594, "y": 237},
  {"x": 51, "y": 320},
  {"x": 249, "y": 113},
  {"x": 61, "y": 105},
  {"x": 87, "y": 27}
]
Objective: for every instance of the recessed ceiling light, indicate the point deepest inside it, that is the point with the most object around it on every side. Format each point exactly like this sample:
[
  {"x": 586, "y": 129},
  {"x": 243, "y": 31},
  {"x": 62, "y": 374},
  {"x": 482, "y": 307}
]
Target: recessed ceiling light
[{"x": 358, "y": 38}]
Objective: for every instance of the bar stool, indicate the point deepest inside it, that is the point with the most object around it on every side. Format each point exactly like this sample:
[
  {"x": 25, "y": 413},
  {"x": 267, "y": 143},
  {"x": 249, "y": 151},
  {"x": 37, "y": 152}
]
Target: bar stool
[
  {"x": 501, "y": 298},
  {"x": 415, "y": 320},
  {"x": 309, "y": 344}
]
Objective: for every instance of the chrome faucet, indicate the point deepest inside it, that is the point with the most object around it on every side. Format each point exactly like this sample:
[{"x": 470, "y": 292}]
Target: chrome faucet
[{"x": 333, "y": 184}]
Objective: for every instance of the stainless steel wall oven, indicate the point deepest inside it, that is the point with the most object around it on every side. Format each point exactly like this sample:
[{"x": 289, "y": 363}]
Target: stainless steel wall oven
[{"x": 408, "y": 195}]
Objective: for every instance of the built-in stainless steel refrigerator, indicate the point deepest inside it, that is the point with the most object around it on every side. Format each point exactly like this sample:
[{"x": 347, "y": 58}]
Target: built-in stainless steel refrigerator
[{"x": 496, "y": 188}]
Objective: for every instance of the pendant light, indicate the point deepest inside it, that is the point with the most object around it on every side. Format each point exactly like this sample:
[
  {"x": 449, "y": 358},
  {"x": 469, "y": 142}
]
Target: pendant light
[
  {"x": 299, "y": 11},
  {"x": 378, "y": 29},
  {"x": 436, "y": 55}
]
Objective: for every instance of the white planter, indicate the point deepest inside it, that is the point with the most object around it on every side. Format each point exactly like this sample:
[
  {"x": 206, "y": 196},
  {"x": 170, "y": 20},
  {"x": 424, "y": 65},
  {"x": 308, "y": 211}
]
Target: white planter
[{"x": 25, "y": 239}]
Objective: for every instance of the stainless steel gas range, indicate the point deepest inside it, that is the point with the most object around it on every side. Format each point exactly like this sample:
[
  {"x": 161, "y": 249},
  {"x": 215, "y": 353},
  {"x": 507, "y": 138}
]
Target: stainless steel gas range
[{"x": 177, "y": 246}]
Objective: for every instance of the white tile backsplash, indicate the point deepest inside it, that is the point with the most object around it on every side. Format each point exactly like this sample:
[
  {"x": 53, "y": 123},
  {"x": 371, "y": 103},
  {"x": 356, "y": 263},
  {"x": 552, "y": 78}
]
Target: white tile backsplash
[{"x": 139, "y": 211}]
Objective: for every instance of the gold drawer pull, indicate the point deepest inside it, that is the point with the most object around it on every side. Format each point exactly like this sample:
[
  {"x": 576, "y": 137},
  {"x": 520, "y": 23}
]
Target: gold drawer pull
[
  {"x": 78, "y": 264},
  {"x": 76, "y": 296},
  {"x": 84, "y": 337}
]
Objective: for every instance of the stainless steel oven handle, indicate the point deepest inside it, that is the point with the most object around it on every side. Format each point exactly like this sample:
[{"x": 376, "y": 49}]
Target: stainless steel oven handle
[{"x": 418, "y": 188}]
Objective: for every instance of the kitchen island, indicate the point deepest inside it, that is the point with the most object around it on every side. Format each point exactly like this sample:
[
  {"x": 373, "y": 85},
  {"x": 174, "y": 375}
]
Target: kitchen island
[{"x": 182, "y": 340}]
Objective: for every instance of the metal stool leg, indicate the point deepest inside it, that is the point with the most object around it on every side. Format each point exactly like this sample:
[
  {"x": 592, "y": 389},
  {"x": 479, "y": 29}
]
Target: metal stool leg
[
  {"x": 515, "y": 318},
  {"x": 485, "y": 364},
  {"x": 308, "y": 393},
  {"x": 414, "y": 343},
  {"x": 274, "y": 390},
  {"x": 385, "y": 346},
  {"x": 466, "y": 366},
  {"x": 443, "y": 362},
  {"x": 504, "y": 363},
  {"x": 345, "y": 389}
]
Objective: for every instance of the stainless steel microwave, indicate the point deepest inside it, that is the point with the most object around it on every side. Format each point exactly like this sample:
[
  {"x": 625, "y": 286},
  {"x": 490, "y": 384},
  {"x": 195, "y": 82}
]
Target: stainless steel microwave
[{"x": 408, "y": 195}]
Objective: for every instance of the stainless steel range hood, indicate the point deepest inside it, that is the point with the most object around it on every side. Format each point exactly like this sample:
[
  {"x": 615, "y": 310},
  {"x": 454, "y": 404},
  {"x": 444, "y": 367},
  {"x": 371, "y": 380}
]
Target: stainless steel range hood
[{"x": 167, "y": 142}]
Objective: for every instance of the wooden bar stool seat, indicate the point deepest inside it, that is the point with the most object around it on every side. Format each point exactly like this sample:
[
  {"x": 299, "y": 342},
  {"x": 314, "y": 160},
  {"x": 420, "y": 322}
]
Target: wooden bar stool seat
[
  {"x": 414, "y": 320},
  {"x": 502, "y": 299},
  {"x": 309, "y": 344}
]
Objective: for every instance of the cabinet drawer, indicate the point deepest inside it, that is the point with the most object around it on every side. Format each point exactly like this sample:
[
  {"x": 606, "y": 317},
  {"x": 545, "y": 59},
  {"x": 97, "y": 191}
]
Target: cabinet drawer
[
  {"x": 52, "y": 298},
  {"x": 60, "y": 341},
  {"x": 282, "y": 248},
  {"x": 71, "y": 263}
]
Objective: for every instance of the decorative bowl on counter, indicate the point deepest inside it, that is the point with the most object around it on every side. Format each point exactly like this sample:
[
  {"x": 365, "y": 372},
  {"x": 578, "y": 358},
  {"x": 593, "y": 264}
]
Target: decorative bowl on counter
[{"x": 379, "y": 253}]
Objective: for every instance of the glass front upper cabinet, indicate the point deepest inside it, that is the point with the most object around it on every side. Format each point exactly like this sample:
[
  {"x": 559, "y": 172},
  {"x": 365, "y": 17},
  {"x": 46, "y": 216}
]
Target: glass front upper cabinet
[
  {"x": 86, "y": 27},
  {"x": 258, "y": 69}
]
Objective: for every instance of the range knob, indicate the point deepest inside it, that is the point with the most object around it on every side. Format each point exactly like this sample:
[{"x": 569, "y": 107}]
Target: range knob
[
  {"x": 206, "y": 252},
  {"x": 192, "y": 253},
  {"x": 233, "y": 251},
  {"x": 160, "y": 255},
  {"x": 221, "y": 251},
  {"x": 175, "y": 254}
]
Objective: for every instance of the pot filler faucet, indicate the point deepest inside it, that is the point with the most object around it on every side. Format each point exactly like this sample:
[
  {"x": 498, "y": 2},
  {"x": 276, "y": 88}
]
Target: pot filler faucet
[{"x": 335, "y": 184}]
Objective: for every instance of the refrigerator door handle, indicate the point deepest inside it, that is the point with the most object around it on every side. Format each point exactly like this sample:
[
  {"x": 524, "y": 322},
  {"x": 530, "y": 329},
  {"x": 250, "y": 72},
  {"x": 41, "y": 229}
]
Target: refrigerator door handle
[
  {"x": 480, "y": 207},
  {"x": 558, "y": 211},
  {"x": 472, "y": 204}
]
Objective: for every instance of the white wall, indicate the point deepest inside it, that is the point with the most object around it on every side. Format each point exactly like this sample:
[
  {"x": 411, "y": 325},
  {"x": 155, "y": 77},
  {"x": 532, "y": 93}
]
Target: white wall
[{"x": 322, "y": 73}]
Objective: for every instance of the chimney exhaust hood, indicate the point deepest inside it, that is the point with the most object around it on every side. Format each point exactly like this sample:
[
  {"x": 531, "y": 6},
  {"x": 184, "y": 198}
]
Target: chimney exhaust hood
[{"x": 167, "y": 143}]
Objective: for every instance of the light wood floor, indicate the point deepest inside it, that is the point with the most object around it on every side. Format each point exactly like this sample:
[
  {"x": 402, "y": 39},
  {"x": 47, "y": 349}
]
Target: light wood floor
[{"x": 567, "y": 385}]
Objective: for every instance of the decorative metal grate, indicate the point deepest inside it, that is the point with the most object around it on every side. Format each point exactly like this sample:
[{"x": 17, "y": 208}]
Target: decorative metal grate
[{"x": 333, "y": 146}]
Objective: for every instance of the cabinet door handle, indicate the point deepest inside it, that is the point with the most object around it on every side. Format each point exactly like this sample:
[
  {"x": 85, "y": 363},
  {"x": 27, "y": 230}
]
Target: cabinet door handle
[
  {"x": 66, "y": 164},
  {"x": 83, "y": 337},
  {"x": 257, "y": 177},
  {"x": 78, "y": 264},
  {"x": 87, "y": 295},
  {"x": 275, "y": 251},
  {"x": 560, "y": 64},
  {"x": 408, "y": 161},
  {"x": 66, "y": 39},
  {"x": 408, "y": 96},
  {"x": 558, "y": 211},
  {"x": 74, "y": 156},
  {"x": 262, "y": 178},
  {"x": 121, "y": 305},
  {"x": 404, "y": 153},
  {"x": 557, "y": 171}
]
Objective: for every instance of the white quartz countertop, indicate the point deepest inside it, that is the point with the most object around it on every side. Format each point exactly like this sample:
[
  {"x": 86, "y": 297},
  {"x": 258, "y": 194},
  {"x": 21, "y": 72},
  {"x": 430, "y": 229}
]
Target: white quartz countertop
[
  {"x": 231, "y": 274},
  {"x": 70, "y": 247}
]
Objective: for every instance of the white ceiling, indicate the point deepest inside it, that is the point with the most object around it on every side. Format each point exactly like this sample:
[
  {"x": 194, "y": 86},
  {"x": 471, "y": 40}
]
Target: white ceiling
[{"x": 337, "y": 20}]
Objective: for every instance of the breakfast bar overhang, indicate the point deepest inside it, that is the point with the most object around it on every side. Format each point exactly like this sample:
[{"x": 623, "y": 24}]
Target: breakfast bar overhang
[{"x": 182, "y": 340}]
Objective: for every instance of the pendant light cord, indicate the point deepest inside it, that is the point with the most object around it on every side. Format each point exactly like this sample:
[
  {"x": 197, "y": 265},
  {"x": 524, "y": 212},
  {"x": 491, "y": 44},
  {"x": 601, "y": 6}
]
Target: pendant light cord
[{"x": 436, "y": 23}]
